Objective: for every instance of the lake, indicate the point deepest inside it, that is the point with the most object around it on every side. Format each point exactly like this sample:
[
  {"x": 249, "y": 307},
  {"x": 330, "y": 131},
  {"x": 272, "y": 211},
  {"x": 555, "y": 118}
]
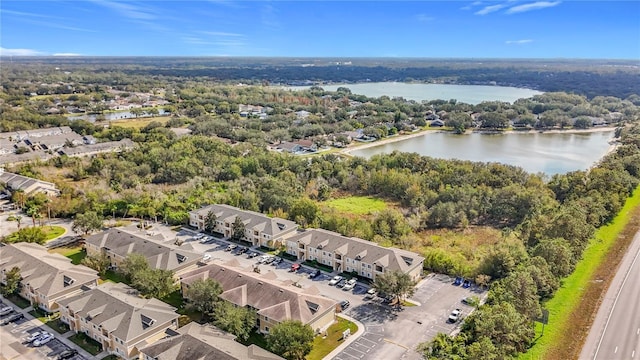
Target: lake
[
  {"x": 549, "y": 153},
  {"x": 470, "y": 94}
]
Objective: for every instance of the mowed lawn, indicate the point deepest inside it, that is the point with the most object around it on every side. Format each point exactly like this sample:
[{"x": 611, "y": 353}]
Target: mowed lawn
[
  {"x": 357, "y": 205},
  {"x": 76, "y": 253},
  {"x": 323, "y": 346},
  {"x": 52, "y": 232}
]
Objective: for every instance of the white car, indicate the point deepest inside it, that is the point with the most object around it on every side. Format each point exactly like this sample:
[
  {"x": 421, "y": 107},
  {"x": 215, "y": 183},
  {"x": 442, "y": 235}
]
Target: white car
[
  {"x": 263, "y": 259},
  {"x": 34, "y": 336},
  {"x": 455, "y": 316},
  {"x": 43, "y": 339},
  {"x": 371, "y": 293},
  {"x": 199, "y": 236},
  {"x": 206, "y": 258},
  {"x": 336, "y": 279},
  {"x": 6, "y": 310},
  {"x": 349, "y": 285}
]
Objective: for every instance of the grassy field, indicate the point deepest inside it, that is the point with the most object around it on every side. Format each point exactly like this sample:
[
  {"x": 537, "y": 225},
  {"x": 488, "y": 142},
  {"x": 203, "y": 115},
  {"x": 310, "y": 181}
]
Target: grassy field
[
  {"x": 323, "y": 346},
  {"x": 572, "y": 309},
  {"x": 139, "y": 123},
  {"x": 357, "y": 205},
  {"x": 88, "y": 344},
  {"x": 76, "y": 253},
  {"x": 52, "y": 231}
]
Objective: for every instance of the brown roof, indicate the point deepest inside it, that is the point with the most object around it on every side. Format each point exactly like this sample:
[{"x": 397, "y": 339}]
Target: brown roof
[{"x": 271, "y": 298}]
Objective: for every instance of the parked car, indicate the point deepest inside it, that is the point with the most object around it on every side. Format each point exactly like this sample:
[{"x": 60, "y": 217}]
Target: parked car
[
  {"x": 5, "y": 310},
  {"x": 68, "y": 354},
  {"x": 315, "y": 274},
  {"x": 270, "y": 259},
  {"x": 341, "y": 283},
  {"x": 12, "y": 318},
  {"x": 371, "y": 293},
  {"x": 242, "y": 250},
  {"x": 336, "y": 279},
  {"x": 252, "y": 254},
  {"x": 295, "y": 267},
  {"x": 231, "y": 247},
  {"x": 455, "y": 316},
  {"x": 344, "y": 304},
  {"x": 466, "y": 284},
  {"x": 458, "y": 281},
  {"x": 199, "y": 236},
  {"x": 43, "y": 339},
  {"x": 471, "y": 300},
  {"x": 206, "y": 258},
  {"x": 276, "y": 261},
  {"x": 350, "y": 284},
  {"x": 31, "y": 338}
]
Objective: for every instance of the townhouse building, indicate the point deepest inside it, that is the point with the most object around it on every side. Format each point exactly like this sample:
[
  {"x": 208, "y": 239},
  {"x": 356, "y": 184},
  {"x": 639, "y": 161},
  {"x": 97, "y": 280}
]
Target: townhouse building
[
  {"x": 353, "y": 255},
  {"x": 203, "y": 342},
  {"x": 260, "y": 230},
  {"x": 117, "y": 243},
  {"x": 46, "y": 277},
  {"x": 274, "y": 301},
  {"x": 117, "y": 318}
]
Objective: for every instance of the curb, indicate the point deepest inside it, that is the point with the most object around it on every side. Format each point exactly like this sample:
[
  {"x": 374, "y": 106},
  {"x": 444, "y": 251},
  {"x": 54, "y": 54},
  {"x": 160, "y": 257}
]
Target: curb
[{"x": 349, "y": 340}]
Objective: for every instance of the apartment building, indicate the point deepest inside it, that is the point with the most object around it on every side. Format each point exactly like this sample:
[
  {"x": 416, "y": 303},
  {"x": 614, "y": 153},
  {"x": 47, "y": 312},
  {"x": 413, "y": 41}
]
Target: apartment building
[
  {"x": 46, "y": 277},
  {"x": 203, "y": 342},
  {"x": 274, "y": 301},
  {"x": 260, "y": 229},
  {"x": 117, "y": 318},
  {"x": 118, "y": 243},
  {"x": 348, "y": 254}
]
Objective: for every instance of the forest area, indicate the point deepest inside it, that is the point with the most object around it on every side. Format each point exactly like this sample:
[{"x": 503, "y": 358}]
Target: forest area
[{"x": 533, "y": 228}]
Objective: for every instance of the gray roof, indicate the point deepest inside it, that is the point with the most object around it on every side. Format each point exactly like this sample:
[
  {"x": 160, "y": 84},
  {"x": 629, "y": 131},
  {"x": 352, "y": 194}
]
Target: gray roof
[
  {"x": 251, "y": 219},
  {"x": 27, "y": 184},
  {"x": 58, "y": 140},
  {"x": 118, "y": 309},
  {"x": 48, "y": 273},
  {"x": 108, "y": 146},
  {"x": 354, "y": 248},
  {"x": 159, "y": 256},
  {"x": 274, "y": 299},
  {"x": 204, "y": 342}
]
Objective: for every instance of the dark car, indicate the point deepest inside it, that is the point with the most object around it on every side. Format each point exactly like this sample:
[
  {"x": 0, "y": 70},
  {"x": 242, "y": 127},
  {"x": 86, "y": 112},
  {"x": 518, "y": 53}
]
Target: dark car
[
  {"x": 12, "y": 318},
  {"x": 341, "y": 283},
  {"x": 466, "y": 284},
  {"x": 315, "y": 274},
  {"x": 458, "y": 281},
  {"x": 68, "y": 354},
  {"x": 242, "y": 250},
  {"x": 251, "y": 255},
  {"x": 344, "y": 304}
]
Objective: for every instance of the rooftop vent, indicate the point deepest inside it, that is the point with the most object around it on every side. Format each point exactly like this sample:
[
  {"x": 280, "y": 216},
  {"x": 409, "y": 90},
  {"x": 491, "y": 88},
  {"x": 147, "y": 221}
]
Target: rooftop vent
[
  {"x": 68, "y": 281},
  {"x": 181, "y": 258},
  {"x": 146, "y": 321},
  {"x": 281, "y": 226}
]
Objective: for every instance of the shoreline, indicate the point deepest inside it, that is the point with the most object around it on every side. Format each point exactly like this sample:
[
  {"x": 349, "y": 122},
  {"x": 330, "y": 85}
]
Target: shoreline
[{"x": 361, "y": 146}]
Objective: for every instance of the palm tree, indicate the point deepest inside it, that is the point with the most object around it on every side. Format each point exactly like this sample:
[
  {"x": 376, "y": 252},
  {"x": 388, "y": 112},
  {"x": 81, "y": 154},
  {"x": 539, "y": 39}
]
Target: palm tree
[{"x": 34, "y": 213}]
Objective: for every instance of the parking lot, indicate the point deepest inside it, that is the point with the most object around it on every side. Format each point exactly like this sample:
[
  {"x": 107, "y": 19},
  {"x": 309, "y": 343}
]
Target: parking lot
[
  {"x": 13, "y": 336},
  {"x": 390, "y": 332}
]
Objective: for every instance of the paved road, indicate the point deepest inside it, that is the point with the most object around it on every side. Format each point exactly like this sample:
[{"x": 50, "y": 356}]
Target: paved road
[{"x": 615, "y": 333}]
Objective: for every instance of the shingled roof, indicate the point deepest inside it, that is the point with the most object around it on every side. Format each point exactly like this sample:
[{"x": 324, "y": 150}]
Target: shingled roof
[
  {"x": 45, "y": 272},
  {"x": 251, "y": 219},
  {"x": 118, "y": 309},
  {"x": 204, "y": 342},
  {"x": 271, "y": 298},
  {"x": 159, "y": 256},
  {"x": 361, "y": 250}
]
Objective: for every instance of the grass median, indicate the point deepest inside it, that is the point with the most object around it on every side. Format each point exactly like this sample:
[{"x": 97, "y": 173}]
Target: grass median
[{"x": 573, "y": 308}]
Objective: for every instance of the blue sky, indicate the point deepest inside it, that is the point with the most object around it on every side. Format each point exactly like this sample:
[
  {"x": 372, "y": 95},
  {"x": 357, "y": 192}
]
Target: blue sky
[{"x": 437, "y": 29}]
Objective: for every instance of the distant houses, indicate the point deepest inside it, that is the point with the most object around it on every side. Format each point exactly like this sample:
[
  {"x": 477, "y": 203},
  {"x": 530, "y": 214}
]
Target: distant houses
[{"x": 29, "y": 186}]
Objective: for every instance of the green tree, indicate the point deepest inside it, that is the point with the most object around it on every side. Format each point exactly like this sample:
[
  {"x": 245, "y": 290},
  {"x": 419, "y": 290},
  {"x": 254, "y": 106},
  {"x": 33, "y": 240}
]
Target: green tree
[
  {"x": 133, "y": 264},
  {"x": 210, "y": 222},
  {"x": 237, "y": 320},
  {"x": 99, "y": 263},
  {"x": 12, "y": 281},
  {"x": 238, "y": 228},
  {"x": 29, "y": 234},
  {"x": 305, "y": 212},
  {"x": 156, "y": 283},
  {"x": 291, "y": 339},
  {"x": 87, "y": 222},
  {"x": 16, "y": 218},
  {"x": 395, "y": 283},
  {"x": 202, "y": 295}
]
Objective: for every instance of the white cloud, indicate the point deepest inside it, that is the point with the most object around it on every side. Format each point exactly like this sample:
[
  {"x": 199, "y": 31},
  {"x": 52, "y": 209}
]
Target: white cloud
[
  {"x": 128, "y": 10},
  {"x": 468, "y": 7},
  {"x": 66, "y": 54},
  {"x": 532, "y": 6},
  {"x": 221, "y": 33},
  {"x": 518, "y": 42},
  {"x": 489, "y": 9},
  {"x": 19, "y": 52},
  {"x": 424, "y": 18}
]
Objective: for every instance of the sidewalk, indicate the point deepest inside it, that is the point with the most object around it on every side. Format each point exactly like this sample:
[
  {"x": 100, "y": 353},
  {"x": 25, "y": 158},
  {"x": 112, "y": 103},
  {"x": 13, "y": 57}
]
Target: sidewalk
[{"x": 350, "y": 339}]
